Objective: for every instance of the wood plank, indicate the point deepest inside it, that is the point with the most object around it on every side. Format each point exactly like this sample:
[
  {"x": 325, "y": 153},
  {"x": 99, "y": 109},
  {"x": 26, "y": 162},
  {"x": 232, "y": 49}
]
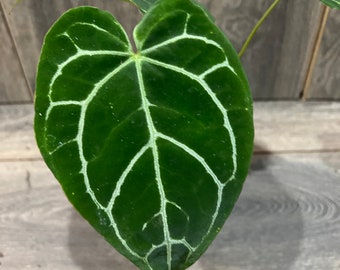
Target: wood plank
[
  {"x": 13, "y": 87},
  {"x": 279, "y": 127},
  {"x": 286, "y": 218},
  {"x": 297, "y": 126},
  {"x": 39, "y": 226},
  {"x": 16, "y": 133},
  {"x": 326, "y": 76},
  {"x": 276, "y": 61}
]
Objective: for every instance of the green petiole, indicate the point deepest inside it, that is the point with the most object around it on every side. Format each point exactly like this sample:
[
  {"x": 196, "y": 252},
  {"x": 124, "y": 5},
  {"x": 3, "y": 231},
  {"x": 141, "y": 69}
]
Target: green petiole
[{"x": 257, "y": 26}]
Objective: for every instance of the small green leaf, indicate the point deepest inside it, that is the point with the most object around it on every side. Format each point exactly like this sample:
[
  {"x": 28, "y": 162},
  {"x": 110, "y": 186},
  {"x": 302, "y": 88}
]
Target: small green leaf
[
  {"x": 143, "y": 5},
  {"x": 151, "y": 147},
  {"x": 332, "y": 3}
]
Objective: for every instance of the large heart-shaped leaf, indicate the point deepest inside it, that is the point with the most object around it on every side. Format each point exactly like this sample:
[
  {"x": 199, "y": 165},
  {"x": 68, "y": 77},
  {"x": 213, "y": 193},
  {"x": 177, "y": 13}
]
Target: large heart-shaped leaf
[{"x": 151, "y": 147}]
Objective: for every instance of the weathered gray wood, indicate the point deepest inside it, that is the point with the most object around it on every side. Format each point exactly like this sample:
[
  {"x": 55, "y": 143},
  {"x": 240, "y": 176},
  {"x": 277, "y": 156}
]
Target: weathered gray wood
[
  {"x": 276, "y": 61},
  {"x": 279, "y": 127},
  {"x": 297, "y": 126},
  {"x": 17, "y": 139},
  {"x": 286, "y": 218},
  {"x": 326, "y": 78},
  {"x": 40, "y": 229},
  {"x": 13, "y": 87}
]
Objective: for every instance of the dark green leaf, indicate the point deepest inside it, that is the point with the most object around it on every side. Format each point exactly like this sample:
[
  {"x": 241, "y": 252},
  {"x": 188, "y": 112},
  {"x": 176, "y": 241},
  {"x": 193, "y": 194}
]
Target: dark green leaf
[
  {"x": 332, "y": 3},
  {"x": 151, "y": 147}
]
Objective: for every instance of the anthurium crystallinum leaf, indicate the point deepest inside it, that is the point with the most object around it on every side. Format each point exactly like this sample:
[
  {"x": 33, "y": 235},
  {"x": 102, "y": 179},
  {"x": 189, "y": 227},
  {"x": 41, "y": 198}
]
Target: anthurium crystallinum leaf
[{"x": 151, "y": 147}]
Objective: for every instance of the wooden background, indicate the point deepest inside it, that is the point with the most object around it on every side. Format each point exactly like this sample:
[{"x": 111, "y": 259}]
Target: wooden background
[{"x": 295, "y": 55}]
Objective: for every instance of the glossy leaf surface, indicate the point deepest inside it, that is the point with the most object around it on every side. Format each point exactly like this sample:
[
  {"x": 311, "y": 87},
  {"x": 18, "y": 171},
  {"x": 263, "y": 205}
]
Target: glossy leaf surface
[
  {"x": 332, "y": 3},
  {"x": 151, "y": 147}
]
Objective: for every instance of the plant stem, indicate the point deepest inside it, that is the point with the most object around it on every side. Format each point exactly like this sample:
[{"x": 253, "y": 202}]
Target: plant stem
[{"x": 257, "y": 26}]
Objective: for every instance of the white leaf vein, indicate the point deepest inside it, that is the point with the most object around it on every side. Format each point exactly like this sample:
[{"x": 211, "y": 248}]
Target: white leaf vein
[
  {"x": 152, "y": 131},
  {"x": 214, "y": 98},
  {"x": 186, "y": 36}
]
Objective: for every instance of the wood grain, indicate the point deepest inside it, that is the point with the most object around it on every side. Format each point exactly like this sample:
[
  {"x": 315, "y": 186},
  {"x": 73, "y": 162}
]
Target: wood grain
[
  {"x": 286, "y": 218},
  {"x": 39, "y": 226},
  {"x": 276, "y": 61},
  {"x": 297, "y": 126},
  {"x": 326, "y": 77},
  {"x": 17, "y": 139},
  {"x": 13, "y": 87}
]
